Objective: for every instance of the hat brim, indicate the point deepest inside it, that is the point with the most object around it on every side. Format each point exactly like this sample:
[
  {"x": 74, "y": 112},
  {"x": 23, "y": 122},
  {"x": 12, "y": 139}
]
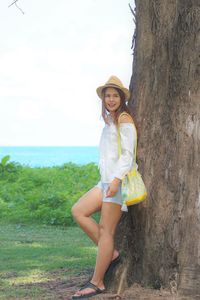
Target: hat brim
[{"x": 100, "y": 89}]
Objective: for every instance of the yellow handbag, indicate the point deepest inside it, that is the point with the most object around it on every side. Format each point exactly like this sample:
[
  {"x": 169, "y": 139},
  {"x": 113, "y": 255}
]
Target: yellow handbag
[{"x": 133, "y": 188}]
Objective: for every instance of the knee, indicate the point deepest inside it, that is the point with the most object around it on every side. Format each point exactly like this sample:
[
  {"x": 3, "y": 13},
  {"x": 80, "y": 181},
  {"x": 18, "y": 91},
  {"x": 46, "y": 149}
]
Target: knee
[{"x": 76, "y": 212}]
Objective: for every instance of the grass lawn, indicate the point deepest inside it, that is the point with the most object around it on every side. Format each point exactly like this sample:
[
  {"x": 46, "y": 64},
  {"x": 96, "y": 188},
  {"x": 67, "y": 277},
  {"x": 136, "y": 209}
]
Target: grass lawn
[{"x": 40, "y": 261}]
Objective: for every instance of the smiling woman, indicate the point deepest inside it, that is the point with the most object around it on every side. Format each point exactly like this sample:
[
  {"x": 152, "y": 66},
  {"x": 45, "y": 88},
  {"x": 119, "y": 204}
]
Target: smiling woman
[
  {"x": 112, "y": 99},
  {"x": 106, "y": 195}
]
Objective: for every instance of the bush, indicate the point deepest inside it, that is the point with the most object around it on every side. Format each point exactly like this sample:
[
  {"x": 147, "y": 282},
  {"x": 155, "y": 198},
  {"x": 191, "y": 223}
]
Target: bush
[{"x": 43, "y": 195}]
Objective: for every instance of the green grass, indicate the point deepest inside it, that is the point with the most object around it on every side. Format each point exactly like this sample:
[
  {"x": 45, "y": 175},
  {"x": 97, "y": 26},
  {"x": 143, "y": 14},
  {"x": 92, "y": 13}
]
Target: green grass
[{"x": 34, "y": 255}]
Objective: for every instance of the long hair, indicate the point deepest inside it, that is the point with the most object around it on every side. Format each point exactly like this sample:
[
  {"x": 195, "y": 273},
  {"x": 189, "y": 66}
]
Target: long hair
[{"x": 123, "y": 107}]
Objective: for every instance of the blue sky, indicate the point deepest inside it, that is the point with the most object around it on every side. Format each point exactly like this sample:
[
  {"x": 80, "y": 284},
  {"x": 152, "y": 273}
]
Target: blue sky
[{"x": 52, "y": 59}]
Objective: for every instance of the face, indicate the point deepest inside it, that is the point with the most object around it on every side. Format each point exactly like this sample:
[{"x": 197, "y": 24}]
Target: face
[{"x": 112, "y": 99}]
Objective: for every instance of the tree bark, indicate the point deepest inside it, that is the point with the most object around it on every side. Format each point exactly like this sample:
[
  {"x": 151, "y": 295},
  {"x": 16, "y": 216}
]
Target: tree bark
[{"x": 161, "y": 238}]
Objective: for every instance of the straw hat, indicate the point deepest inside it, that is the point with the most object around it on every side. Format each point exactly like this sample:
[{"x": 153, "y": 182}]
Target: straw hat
[{"x": 114, "y": 82}]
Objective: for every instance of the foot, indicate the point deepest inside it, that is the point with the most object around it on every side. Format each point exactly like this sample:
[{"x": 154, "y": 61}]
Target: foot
[
  {"x": 89, "y": 290},
  {"x": 115, "y": 254},
  {"x": 115, "y": 260}
]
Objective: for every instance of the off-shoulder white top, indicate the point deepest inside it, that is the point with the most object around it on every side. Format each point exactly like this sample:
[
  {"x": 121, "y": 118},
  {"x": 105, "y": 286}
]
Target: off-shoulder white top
[{"x": 110, "y": 165}]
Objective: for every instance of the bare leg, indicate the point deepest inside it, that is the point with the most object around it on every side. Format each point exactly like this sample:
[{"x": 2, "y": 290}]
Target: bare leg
[
  {"x": 88, "y": 204},
  {"x": 110, "y": 216}
]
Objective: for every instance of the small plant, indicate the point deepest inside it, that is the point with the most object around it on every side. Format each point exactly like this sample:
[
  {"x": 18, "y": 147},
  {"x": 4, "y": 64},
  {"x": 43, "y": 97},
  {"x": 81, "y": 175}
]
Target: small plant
[
  {"x": 4, "y": 160},
  {"x": 4, "y": 165},
  {"x": 7, "y": 167}
]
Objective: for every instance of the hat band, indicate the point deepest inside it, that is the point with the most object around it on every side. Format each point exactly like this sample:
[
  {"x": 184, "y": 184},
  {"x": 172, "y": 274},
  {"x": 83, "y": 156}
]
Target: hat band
[{"x": 112, "y": 84}]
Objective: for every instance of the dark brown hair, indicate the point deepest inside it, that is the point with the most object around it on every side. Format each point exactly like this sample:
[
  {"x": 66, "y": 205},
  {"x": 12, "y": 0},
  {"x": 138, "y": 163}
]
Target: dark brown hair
[{"x": 123, "y": 107}]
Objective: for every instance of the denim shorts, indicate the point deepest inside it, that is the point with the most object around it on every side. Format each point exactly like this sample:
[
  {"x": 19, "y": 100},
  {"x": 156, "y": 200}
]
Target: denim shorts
[{"x": 117, "y": 198}]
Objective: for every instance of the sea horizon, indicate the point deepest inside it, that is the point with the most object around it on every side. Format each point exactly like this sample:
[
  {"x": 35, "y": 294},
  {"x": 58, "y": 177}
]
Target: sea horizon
[{"x": 48, "y": 156}]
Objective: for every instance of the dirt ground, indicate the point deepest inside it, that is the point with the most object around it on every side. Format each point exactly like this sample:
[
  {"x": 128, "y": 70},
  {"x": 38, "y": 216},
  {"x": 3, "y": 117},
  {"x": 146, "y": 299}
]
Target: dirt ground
[{"x": 60, "y": 288}]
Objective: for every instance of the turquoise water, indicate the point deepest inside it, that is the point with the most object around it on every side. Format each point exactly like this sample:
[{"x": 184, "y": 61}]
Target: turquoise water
[{"x": 50, "y": 156}]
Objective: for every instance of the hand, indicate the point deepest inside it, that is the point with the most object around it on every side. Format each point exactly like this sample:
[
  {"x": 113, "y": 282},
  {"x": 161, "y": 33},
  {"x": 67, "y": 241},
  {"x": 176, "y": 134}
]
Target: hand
[{"x": 113, "y": 187}]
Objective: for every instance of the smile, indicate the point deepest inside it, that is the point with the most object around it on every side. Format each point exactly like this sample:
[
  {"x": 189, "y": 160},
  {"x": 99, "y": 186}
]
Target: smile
[{"x": 111, "y": 105}]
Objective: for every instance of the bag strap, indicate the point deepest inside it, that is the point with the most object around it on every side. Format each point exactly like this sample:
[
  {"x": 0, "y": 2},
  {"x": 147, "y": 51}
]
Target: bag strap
[{"x": 119, "y": 138}]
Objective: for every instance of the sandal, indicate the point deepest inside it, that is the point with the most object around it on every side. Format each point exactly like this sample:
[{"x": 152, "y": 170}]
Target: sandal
[
  {"x": 113, "y": 263},
  {"x": 110, "y": 268},
  {"x": 88, "y": 295}
]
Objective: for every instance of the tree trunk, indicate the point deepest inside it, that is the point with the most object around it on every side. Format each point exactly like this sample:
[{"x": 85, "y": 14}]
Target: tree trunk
[{"x": 161, "y": 238}]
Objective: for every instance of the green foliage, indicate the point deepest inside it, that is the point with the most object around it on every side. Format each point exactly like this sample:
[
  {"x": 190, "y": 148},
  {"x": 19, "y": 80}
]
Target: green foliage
[
  {"x": 5, "y": 159},
  {"x": 43, "y": 195},
  {"x": 10, "y": 168}
]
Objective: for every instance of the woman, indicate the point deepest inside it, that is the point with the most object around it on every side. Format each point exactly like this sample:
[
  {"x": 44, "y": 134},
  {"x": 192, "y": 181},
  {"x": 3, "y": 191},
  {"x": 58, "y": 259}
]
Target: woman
[{"x": 106, "y": 195}]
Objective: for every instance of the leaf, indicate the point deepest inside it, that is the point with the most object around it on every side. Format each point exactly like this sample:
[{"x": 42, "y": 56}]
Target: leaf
[{"x": 5, "y": 159}]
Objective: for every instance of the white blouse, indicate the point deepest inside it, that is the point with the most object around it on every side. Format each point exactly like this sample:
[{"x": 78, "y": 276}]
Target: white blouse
[{"x": 110, "y": 165}]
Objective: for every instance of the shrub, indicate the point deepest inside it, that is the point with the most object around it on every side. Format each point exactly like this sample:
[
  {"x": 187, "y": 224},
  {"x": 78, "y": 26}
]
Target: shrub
[{"x": 43, "y": 195}]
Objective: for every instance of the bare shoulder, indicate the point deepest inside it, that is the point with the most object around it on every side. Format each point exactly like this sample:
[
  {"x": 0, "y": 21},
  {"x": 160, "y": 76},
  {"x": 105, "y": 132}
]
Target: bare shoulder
[{"x": 125, "y": 118}]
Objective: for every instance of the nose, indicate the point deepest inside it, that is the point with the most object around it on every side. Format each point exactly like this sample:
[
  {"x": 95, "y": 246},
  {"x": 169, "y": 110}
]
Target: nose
[{"x": 111, "y": 99}]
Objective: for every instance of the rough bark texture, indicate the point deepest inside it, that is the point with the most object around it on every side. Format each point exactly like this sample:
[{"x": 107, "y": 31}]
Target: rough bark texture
[{"x": 161, "y": 238}]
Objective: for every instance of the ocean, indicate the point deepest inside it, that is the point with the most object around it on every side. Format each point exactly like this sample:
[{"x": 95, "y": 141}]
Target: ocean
[{"x": 50, "y": 155}]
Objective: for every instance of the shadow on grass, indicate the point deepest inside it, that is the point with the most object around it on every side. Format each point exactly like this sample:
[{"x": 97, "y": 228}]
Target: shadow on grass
[
  {"x": 57, "y": 284},
  {"x": 39, "y": 262}
]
